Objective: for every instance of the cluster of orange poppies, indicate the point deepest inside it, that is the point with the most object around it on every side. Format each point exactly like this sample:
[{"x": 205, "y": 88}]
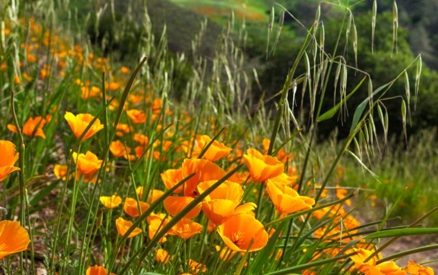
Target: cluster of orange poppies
[
  {"x": 367, "y": 262},
  {"x": 198, "y": 167}
]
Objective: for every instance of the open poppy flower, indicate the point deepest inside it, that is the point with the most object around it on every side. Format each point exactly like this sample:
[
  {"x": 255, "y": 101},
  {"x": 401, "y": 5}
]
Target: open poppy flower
[
  {"x": 136, "y": 116},
  {"x": 110, "y": 202},
  {"x": 222, "y": 202},
  {"x": 97, "y": 270},
  {"x": 156, "y": 222},
  {"x": 13, "y": 238},
  {"x": 286, "y": 199},
  {"x": 131, "y": 207},
  {"x": 123, "y": 225},
  {"x": 8, "y": 159},
  {"x": 172, "y": 177},
  {"x": 204, "y": 170},
  {"x": 80, "y": 122},
  {"x": 186, "y": 228},
  {"x": 88, "y": 164},
  {"x": 32, "y": 127},
  {"x": 262, "y": 167},
  {"x": 242, "y": 232},
  {"x": 216, "y": 151},
  {"x": 416, "y": 269},
  {"x": 174, "y": 205}
]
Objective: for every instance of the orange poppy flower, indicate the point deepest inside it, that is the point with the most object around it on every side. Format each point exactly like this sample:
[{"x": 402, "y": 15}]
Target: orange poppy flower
[
  {"x": 142, "y": 139},
  {"x": 131, "y": 207},
  {"x": 172, "y": 177},
  {"x": 262, "y": 167},
  {"x": 416, "y": 269},
  {"x": 113, "y": 86},
  {"x": 136, "y": 116},
  {"x": 222, "y": 202},
  {"x": 110, "y": 202},
  {"x": 118, "y": 149},
  {"x": 174, "y": 205},
  {"x": 13, "y": 238},
  {"x": 123, "y": 225},
  {"x": 8, "y": 159},
  {"x": 79, "y": 122},
  {"x": 87, "y": 92},
  {"x": 216, "y": 150},
  {"x": 186, "y": 228},
  {"x": 97, "y": 270},
  {"x": 60, "y": 171},
  {"x": 195, "y": 267},
  {"x": 283, "y": 178},
  {"x": 32, "y": 127},
  {"x": 242, "y": 232},
  {"x": 156, "y": 222},
  {"x": 125, "y": 70},
  {"x": 162, "y": 256},
  {"x": 286, "y": 199},
  {"x": 204, "y": 170},
  {"x": 88, "y": 164},
  {"x": 123, "y": 128},
  {"x": 154, "y": 195}
]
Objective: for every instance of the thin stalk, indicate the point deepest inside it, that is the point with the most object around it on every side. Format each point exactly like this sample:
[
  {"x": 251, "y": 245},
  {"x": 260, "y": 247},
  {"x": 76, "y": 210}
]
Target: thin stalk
[{"x": 22, "y": 186}]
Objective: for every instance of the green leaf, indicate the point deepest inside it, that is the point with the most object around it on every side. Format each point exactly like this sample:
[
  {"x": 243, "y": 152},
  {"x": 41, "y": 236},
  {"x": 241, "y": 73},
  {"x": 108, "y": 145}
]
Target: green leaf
[
  {"x": 359, "y": 110},
  {"x": 330, "y": 113}
]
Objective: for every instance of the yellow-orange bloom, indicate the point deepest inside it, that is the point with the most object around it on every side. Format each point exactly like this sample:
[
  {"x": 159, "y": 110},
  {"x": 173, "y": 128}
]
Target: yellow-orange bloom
[
  {"x": 123, "y": 226},
  {"x": 125, "y": 70},
  {"x": 118, "y": 149},
  {"x": 80, "y": 122},
  {"x": 172, "y": 177},
  {"x": 33, "y": 126},
  {"x": 88, "y": 164},
  {"x": 186, "y": 228},
  {"x": 174, "y": 205},
  {"x": 196, "y": 267},
  {"x": 415, "y": 269},
  {"x": 8, "y": 158},
  {"x": 242, "y": 232},
  {"x": 156, "y": 222},
  {"x": 216, "y": 150},
  {"x": 262, "y": 167},
  {"x": 162, "y": 256},
  {"x": 286, "y": 199},
  {"x": 136, "y": 116},
  {"x": 131, "y": 207},
  {"x": 222, "y": 202},
  {"x": 97, "y": 270},
  {"x": 13, "y": 238},
  {"x": 203, "y": 170},
  {"x": 111, "y": 202},
  {"x": 60, "y": 171}
]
